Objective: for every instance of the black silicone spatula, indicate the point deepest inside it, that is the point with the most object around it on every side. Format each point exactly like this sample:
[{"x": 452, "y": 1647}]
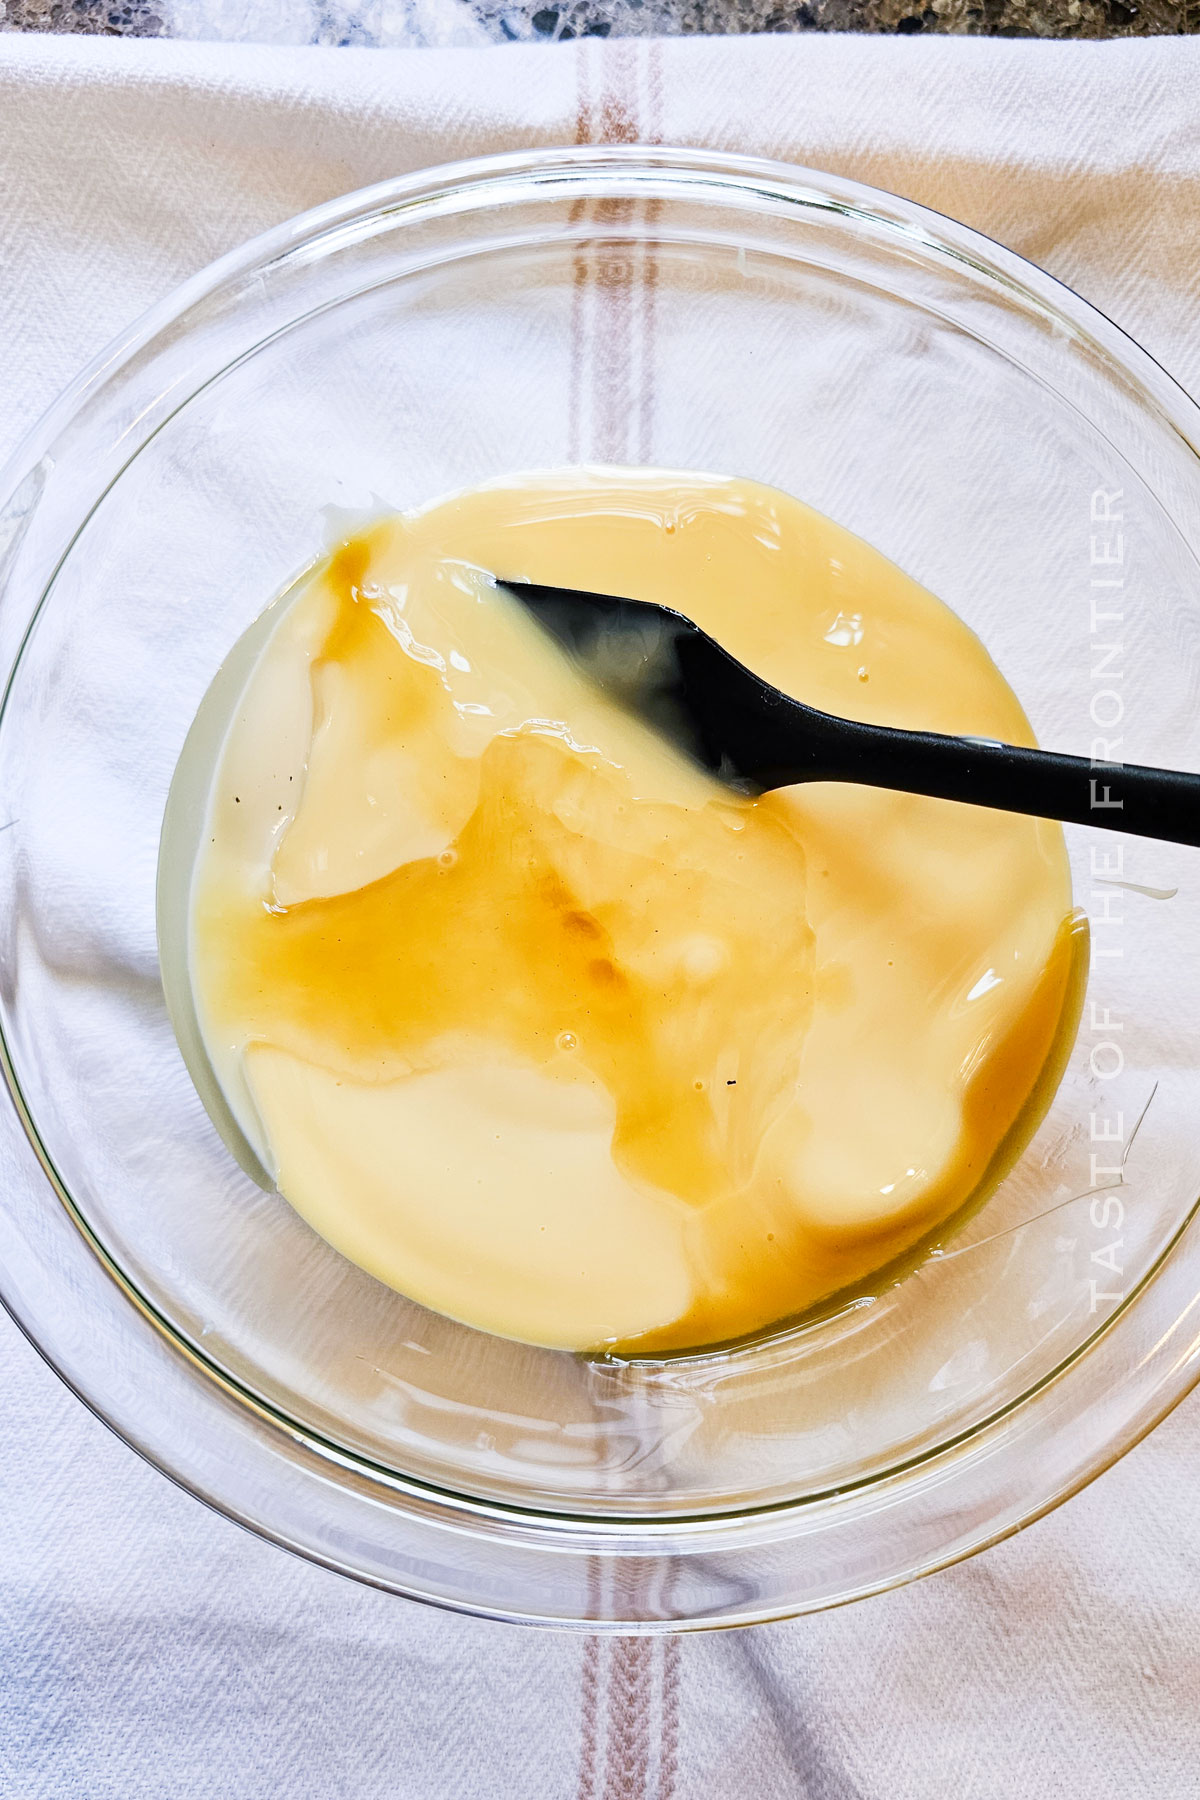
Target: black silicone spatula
[{"x": 661, "y": 666}]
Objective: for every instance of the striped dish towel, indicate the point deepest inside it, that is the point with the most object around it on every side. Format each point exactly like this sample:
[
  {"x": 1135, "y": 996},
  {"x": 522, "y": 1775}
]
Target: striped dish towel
[{"x": 149, "y": 1651}]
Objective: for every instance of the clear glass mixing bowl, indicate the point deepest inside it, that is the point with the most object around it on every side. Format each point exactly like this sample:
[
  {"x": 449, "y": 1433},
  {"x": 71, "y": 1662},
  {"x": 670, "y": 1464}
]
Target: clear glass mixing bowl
[{"x": 969, "y": 416}]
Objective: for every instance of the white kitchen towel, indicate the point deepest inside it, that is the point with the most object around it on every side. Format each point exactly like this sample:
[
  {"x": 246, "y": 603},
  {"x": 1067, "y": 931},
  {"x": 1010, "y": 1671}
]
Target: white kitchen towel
[{"x": 150, "y": 1651}]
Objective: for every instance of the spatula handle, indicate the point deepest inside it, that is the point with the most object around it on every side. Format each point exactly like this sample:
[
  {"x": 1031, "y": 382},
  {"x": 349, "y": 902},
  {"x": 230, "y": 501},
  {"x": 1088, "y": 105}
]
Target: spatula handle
[{"x": 1153, "y": 803}]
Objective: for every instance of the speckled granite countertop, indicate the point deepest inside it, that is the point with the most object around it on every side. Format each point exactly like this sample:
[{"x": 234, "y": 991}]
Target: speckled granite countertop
[{"x": 444, "y": 22}]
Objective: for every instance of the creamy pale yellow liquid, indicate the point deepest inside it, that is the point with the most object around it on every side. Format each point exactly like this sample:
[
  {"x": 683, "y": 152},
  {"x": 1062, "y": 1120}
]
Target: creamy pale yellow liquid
[{"x": 542, "y": 1026}]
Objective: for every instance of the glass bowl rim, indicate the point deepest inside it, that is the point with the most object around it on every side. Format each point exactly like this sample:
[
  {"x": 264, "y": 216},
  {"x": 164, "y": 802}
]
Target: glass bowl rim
[{"x": 467, "y": 187}]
